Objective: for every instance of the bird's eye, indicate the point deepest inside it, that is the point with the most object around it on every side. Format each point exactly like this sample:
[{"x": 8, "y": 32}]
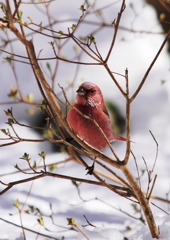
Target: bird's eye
[{"x": 92, "y": 90}]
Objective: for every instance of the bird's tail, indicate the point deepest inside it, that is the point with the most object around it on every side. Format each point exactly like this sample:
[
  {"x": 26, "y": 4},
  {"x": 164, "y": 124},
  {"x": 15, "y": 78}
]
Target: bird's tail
[{"x": 119, "y": 138}]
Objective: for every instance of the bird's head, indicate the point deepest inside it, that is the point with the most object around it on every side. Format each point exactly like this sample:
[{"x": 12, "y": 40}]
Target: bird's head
[{"x": 89, "y": 94}]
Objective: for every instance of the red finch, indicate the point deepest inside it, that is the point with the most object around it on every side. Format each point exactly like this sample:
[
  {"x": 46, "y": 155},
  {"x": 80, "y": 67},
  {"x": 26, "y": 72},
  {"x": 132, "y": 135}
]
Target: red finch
[{"x": 90, "y": 103}]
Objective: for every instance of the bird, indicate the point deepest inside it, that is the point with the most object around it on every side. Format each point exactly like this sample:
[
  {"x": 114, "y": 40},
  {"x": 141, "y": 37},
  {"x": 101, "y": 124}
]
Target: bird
[{"x": 89, "y": 118}]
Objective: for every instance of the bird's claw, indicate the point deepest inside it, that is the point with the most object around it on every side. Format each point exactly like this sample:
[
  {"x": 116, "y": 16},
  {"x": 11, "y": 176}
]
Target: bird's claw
[{"x": 90, "y": 169}]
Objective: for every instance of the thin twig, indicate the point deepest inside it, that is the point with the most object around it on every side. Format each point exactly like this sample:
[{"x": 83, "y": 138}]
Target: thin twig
[
  {"x": 30, "y": 230},
  {"x": 156, "y": 157},
  {"x": 66, "y": 177},
  {"x": 128, "y": 142},
  {"x": 149, "y": 195},
  {"x": 136, "y": 168},
  {"x": 116, "y": 29}
]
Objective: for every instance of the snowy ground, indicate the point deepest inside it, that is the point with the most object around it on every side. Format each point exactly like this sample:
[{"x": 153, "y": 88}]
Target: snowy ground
[{"x": 100, "y": 206}]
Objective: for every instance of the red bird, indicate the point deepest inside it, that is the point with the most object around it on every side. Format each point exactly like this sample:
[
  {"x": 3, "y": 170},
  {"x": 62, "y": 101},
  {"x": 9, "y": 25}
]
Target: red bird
[{"x": 90, "y": 103}]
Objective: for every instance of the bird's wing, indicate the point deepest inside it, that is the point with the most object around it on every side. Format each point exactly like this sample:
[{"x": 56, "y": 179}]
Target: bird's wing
[{"x": 105, "y": 111}]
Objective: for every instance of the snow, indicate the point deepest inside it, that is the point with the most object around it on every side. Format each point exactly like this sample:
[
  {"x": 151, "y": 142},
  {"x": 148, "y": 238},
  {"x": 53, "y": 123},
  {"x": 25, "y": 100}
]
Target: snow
[
  {"x": 102, "y": 234},
  {"x": 150, "y": 111},
  {"x": 164, "y": 227}
]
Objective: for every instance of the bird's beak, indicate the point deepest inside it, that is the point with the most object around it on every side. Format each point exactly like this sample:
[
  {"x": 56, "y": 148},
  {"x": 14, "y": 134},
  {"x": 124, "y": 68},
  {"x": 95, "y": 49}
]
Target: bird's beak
[{"x": 81, "y": 91}]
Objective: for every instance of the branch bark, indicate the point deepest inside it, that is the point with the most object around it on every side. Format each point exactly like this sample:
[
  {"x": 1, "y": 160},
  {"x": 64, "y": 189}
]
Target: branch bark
[{"x": 144, "y": 203}]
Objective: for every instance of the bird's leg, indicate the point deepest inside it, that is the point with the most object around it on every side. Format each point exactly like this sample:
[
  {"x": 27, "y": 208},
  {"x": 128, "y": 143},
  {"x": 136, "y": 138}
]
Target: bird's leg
[{"x": 90, "y": 169}]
